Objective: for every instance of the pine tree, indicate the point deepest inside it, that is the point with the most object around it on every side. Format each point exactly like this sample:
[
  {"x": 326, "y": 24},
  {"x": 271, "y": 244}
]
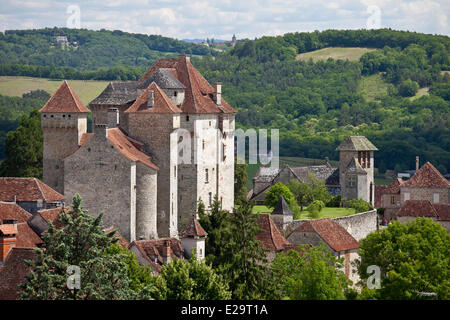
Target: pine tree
[
  {"x": 81, "y": 243},
  {"x": 246, "y": 261},
  {"x": 215, "y": 224}
]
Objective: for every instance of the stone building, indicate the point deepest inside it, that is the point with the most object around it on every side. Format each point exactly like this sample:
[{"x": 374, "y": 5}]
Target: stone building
[
  {"x": 271, "y": 238},
  {"x": 427, "y": 184},
  {"x": 438, "y": 212},
  {"x": 335, "y": 237},
  {"x": 282, "y": 214},
  {"x": 193, "y": 239},
  {"x": 157, "y": 147},
  {"x": 353, "y": 179}
]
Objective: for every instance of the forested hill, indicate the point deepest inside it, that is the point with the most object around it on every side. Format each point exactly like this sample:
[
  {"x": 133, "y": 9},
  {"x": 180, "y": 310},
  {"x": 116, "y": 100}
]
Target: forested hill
[
  {"x": 89, "y": 50},
  {"x": 317, "y": 104}
]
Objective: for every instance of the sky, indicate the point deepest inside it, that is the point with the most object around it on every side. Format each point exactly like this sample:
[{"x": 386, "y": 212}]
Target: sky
[{"x": 221, "y": 19}]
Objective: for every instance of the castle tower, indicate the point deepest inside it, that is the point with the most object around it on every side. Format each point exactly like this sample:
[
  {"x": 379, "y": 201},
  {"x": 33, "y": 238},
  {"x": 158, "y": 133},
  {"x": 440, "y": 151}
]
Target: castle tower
[
  {"x": 193, "y": 238},
  {"x": 63, "y": 121},
  {"x": 356, "y": 168},
  {"x": 152, "y": 119}
]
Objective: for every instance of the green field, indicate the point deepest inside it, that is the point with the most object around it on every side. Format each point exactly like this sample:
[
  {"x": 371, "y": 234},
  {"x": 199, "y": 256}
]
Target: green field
[
  {"x": 325, "y": 213},
  {"x": 372, "y": 87},
  {"x": 86, "y": 90},
  {"x": 337, "y": 53}
]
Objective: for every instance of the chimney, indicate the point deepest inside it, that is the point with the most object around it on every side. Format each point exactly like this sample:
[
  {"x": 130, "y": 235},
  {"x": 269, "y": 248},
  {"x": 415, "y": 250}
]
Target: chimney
[
  {"x": 417, "y": 163},
  {"x": 11, "y": 222},
  {"x": 218, "y": 93},
  {"x": 113, "y": 117},
  {"x": 150, "y": 99},
  {"x": 166, "y": 252},
  {"x": 8, "y": 235},
  {"x": 101, "y": 130}
]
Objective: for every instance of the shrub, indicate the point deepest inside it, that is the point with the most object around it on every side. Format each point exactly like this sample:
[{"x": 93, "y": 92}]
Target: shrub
[
  {"x": 359, "y": 205},
  {"x": 315, "y": 207},
  {"x": 335, "y": 202}
]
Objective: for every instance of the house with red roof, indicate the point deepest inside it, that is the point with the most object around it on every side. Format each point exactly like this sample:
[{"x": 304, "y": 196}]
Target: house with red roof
[
  {"x": 335, "y": 237},
  {"x": 157, "y": 146},
  {"x": 438, "y": 212},
  {"x": 29, "y": 193}
]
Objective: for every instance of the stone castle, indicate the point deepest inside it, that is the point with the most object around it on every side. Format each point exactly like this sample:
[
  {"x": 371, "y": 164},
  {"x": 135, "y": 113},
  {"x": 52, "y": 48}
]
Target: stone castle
[{"x": 158, "y": 146}]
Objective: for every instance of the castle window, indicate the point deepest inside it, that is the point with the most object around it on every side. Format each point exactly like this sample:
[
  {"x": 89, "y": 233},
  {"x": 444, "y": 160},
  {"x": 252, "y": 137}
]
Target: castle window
[
  {"x": 392, "y": 199},
  {"x": 64, "y": 115},
  {"x": 368, "y": 159},
  {"x": 223, "y": 152},
  {"x": 51, "y": 116},
  {"x": 435, "y": 197},
  {"x": 206, "y": 176},
  {"x": 175, "y": 93},
  {"x": 187, "y": 118},
  {"x": 210, "y": 123},
  {"x": 359, "y": 157},
  {"x": 406, "y": 196},
  {"x": 210, "y": 198},
  {"x": 203, "y": 144},
  {"x": 69, "y": 115},
  {"x": 175, "y": 171},
  {"x": 351, "y": 181},
  {"x": 45, "y": 116}
]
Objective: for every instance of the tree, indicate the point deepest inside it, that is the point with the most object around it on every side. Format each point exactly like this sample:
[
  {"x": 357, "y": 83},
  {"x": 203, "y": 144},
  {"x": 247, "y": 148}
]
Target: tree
[
  {"x": 309, "y": 274},
  {"x": 190, "y": 280},
  {"x": 215, "y": 224},
  {"x": 140, "y": 277},
  {"x": 80, "y": 243},
  {"x": 240, "y": 181},
  {"x": 23, "y": 148},
  {"x": 315, "y": 207},
  {"x": 408, "y": 88},
  {"x": 412, "y": 257},
  {"x": 302, "y": 192},
  {"x": 245, "y": 267},
  {"x": 273, "y": 195}
]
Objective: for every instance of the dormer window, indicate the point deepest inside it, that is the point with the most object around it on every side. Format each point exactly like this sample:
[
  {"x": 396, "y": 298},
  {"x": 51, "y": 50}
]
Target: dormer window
[{"x": 175, "y": 93}]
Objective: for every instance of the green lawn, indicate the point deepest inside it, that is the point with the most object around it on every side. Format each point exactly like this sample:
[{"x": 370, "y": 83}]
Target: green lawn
[
  {"x": 372, "y": 87},
  {"x": 325, "y": 213},
  {"x": 337, "y": 53},
  {"x": 87, "y": 90}
]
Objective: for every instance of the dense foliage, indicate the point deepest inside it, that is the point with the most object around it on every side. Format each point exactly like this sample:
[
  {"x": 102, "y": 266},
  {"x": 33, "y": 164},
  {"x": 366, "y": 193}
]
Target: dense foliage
[
  {"x": 81, "y": 243},
  {"x": 23, "y": 148},
  {"x": 309, "y": 274},
  {"x": 412, "y": 257},
  {"x": 317, "y": 105},
  {"x": 93, "y": 49}
]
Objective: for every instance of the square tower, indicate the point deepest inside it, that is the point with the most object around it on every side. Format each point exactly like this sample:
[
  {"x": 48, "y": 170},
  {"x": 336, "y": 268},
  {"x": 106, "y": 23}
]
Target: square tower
[{"x": 356, "y": 168}]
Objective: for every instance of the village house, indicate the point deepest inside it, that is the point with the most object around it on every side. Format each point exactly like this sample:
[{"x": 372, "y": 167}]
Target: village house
[
  {"x": 438, "y": 212},
  {"x": 30, "y": 193},
  {"x": 341, "y": 243}
]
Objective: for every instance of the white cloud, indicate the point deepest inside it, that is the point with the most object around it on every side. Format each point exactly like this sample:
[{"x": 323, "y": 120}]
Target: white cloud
[{"x": 220, "y": 19}]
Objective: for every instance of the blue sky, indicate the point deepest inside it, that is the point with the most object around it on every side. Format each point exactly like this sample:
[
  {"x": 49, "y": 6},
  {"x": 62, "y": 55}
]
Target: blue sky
[{"x": 220, "y": 19}]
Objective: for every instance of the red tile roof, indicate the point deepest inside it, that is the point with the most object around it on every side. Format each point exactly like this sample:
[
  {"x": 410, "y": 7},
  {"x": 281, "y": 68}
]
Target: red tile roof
[
  {"x": 27, "y": 189},
  {"x": 14, "y": 271},
  {"x": 10, "y": 210},
  {"x": 26, "y": 237},
  {"x": 443, "y": 211},
  {"x": 64, "y": 99},
  {"x": 161, "y": 103},
  {"x": 193, "y": 229},
  {"x": 270, "y": 236},
  {"x": 417, "y": 208},
  {"x": 8, "y": 230},
  {"x": 122, "y": 241},
  {"x": 85, "y": 137},
  {"x": 52, "y": 215},
  {"x": 156, "y": 248},
  {"x": 198, "y": 97},
  {"x": 427, "y": 176},
  {"x": 394, "y": 187},
  {"x": 332, "y": 233},
  {"x": 128, "y": 149}
]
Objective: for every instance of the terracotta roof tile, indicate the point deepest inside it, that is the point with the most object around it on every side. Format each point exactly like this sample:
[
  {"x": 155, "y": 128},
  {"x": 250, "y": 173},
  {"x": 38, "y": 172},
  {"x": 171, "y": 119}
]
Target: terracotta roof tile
[
  {"x": 162, "y": 103},
  {"x": 443, "y": 211},
  {"x": 198, "y": 97},
  {"x": 27, "y": 189},
  {"x": 122, "y": 241},
  {"x": 26, "y": 237},
  {"x": 127, "y": 148},
  {"x": 10, "y": 210},
  {"x": 155, "y": 249},
  {"x": 332, "y": 233},
  {"x": 270, "y": 236},
  {"x": 417, "y": 208},
  {"x": 427, "y": 176},
  {"x": 64, "y": 99},
  {"x": 14, "y": 271},
  {"x": 85, "y": 137},
  {"x": 193, "y": 229},
  {"x": 394, "y": 187}
]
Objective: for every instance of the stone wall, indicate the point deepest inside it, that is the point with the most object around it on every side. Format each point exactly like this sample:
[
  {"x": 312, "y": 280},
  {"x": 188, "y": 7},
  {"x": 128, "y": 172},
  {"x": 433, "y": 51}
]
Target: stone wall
[
  {"x": 359, "y": 225},
  {"x": 425, "y": 194},
  {"x": 105, "y": 179}
]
